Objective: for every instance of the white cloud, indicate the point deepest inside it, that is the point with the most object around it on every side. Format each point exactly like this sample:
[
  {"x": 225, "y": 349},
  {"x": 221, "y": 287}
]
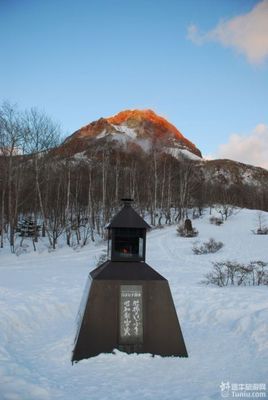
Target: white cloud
[
  {"x": 247, "y": 33},
  {"x": 250, "y": 149}
]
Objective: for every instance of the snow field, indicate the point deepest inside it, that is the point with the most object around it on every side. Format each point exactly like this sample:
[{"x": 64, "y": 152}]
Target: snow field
[{"x": 225, "y": 329}]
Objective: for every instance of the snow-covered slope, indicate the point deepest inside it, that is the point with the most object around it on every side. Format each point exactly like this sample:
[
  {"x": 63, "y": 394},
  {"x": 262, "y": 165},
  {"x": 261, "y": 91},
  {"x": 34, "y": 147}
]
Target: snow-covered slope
[
  {"x": 228, "y": 172},
  {"x": 225, "y": 329}
]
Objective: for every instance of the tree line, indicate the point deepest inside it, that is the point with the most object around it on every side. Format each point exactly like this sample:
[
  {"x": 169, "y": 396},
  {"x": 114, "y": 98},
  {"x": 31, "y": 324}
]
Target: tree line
[{"x": 75, "y": 197}]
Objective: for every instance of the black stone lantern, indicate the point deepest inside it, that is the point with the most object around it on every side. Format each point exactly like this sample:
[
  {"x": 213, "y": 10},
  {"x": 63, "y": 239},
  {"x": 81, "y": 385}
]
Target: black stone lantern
[
  {"x": 127, "y": 235},
  {"x": 127, "y": 305}
]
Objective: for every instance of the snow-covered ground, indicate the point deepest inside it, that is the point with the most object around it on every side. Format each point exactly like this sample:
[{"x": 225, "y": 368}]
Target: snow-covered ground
[{"x": 225, "y": 329}]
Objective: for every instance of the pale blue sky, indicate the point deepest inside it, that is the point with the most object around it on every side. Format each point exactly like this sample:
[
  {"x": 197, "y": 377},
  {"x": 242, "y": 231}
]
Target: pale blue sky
[{"x": 81, "y": 60}]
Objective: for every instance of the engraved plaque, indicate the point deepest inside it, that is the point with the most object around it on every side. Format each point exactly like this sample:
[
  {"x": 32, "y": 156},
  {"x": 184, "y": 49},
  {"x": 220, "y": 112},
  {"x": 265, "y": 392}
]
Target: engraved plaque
[{"x": 131, "y": 314}]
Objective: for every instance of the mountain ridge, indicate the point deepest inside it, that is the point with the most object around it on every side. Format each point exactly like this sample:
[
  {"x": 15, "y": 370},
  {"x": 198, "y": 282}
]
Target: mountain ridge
[
  {"x": 140, "y": 132},
  {"x": 144, "y": 127}
]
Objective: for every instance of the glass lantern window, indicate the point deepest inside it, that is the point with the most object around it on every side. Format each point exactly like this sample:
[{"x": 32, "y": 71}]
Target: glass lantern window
[{"x": 128, "y": 243}]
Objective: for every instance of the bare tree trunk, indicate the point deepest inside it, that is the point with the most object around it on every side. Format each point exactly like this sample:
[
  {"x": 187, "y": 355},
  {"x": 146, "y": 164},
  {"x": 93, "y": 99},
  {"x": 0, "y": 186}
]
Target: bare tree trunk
[
  {"x": 67, "y": 209},
  {"x": 163, "y": 186},
  {"x": 2, "y": 217},
  {"x": 117, "y": 170},
  {"x": 10, "y": 214},
  {"x": 40, "y": 200},
  {"x": 91, "y": 219},
  {"x": 186, "y": 169},
  {"x": 168, "y": 204},
  {"x": 132, "y": 180},
  {"x": 155, "y": 183},
  {"x": 104, "y": 186},
  {"x": 16, "y": 195}
]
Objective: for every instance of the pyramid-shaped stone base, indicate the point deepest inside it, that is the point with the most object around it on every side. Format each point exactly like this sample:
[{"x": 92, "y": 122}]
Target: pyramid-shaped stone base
[{"x": 128, "y": 306}]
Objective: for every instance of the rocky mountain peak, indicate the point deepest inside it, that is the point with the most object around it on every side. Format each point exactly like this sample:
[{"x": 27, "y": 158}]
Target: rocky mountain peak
[{"x": 140, "y": 127}]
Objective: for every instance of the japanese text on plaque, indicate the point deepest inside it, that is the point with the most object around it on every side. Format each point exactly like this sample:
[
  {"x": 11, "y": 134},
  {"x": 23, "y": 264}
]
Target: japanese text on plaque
[{"x": 131, "y": 330}]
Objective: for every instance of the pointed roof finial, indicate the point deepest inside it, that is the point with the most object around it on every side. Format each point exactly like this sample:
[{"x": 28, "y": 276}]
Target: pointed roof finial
[
  {"x": 127, "y": 201},
  {"x": 128, "y": 218}
]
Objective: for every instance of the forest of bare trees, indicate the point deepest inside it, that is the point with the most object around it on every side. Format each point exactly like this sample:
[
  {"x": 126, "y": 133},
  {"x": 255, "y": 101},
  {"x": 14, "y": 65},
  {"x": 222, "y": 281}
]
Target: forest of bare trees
[{"x": 74, "y": 198}]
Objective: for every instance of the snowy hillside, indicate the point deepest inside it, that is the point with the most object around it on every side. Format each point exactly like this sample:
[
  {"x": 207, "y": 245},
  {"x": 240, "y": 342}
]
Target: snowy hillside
[{"x": 225, "y": 329}]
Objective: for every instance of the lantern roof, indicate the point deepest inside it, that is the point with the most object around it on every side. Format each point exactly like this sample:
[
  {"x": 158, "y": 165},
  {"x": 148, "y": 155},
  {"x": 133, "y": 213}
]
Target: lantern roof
[
  {"x": 128, "y": 218},
  {"x": 113, "y": 270}
]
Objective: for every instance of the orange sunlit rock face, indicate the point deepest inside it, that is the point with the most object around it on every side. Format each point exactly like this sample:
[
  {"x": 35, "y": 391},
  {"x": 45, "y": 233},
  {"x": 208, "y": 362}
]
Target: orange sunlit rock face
[
  {"x": 149, "y": 120},
  {"x": 145, "y": 124},
  {"x": 144, "y": 115}
]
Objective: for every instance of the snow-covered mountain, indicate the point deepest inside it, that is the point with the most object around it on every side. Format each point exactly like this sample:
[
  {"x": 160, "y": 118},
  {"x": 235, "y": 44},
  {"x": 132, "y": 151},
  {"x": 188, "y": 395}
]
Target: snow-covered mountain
[
  {"x": 228, "y": 172},
  {"x": 142, "y": 129}
]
